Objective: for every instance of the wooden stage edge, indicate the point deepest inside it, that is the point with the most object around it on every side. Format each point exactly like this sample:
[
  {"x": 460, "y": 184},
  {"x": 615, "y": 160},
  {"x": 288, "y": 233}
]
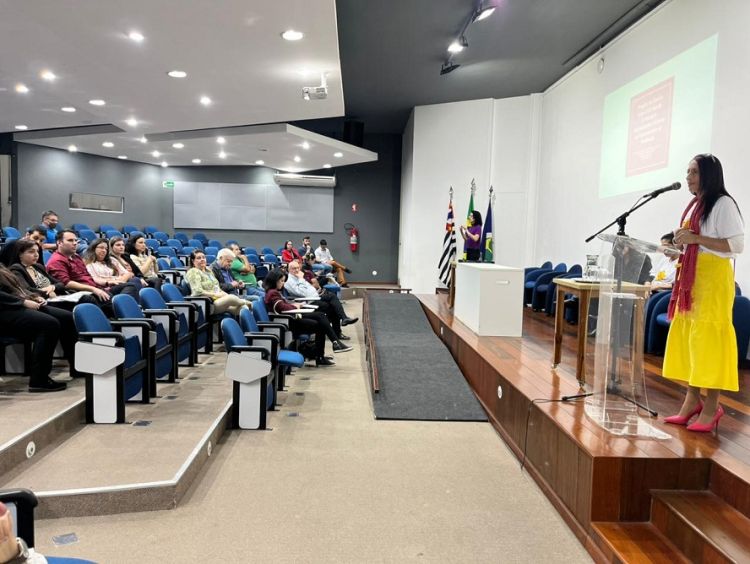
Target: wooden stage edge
[{"x": 592, "y": 478}]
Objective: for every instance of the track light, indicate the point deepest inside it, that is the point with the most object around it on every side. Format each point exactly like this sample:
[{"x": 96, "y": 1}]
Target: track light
[
  {"x": 458, "y": 45},
  {"x": 448, "y": 66},
  {"x": 484, "y": 11}
]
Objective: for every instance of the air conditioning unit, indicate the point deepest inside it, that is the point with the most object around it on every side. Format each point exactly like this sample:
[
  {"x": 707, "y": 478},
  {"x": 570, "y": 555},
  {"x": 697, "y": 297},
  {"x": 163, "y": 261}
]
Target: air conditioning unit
[{"x": 292, "y": 179}]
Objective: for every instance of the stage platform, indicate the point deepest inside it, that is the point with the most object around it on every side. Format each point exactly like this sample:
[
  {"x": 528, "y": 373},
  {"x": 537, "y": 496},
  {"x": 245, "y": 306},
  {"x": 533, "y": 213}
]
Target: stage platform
[{"x": 686, "y": 498}]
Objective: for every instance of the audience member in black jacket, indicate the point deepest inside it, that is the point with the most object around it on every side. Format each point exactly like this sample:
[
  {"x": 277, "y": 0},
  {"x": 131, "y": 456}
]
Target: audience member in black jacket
[{"x": 24, "y": 316}]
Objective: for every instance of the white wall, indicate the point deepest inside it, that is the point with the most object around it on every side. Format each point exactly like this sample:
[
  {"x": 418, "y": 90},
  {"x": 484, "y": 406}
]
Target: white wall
[{"x": 569, "y": 206}]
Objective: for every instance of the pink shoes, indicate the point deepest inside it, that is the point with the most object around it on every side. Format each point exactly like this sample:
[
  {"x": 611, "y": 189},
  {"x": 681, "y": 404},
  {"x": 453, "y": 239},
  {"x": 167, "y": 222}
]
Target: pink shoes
[
  {"x": 680, "y": 420},
  {"x": 714, "y": 423}
]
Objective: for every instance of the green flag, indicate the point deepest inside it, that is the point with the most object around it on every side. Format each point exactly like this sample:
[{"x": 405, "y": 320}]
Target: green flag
[{"x": 468, "y": 213}]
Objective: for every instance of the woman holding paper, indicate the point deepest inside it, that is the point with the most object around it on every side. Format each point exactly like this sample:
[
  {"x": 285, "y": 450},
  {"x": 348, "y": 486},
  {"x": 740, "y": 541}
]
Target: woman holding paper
[{"x": 702, "y": 346}]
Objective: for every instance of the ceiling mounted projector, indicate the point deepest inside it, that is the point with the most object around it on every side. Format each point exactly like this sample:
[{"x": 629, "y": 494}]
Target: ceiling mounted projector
[{"x": 314, "y": 92}]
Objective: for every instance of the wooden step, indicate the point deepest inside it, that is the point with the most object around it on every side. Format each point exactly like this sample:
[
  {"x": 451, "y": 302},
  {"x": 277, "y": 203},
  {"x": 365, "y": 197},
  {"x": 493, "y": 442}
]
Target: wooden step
[
  {"x": 636, "y": 543},
  {"x": 702, "y": 525}
]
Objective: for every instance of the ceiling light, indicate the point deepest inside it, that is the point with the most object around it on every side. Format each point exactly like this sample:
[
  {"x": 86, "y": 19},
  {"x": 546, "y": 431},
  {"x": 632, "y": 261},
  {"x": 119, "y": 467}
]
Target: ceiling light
[
  {"x": 72, "y": 148},
  {"x": 68, "y": 109},
  {"x": 222, "y": 155},
  {"x": 484, "y": 11},
  {"x": 22, "y": 88},
  {"x": 221, "y": 140},
  {"x": 205, "y": 100},
  {"x": 196, "y": 161},
  {"x": 292, "y": 35},
  {"x": 96, "y": 102},
  {"x": 132, "y": 122},
  {"x": 305, "y": 95},
  {"x": 47, "y": 75},
  {"x": 448, "y": 67},
  {"x": 177, "y": 74},
  {"x": 143, "y": 139},
  {"x": 178, "y": 145},
  {"x": 108, "y": 144},
  {"x": 164, "y": 164},
  {"x": 338, "y": 155},
  {"x": 136, "y": 36},
  {"x": 456, "y": 46},
  {"x": 305, "y": 145},
  {"x": 326, "y": 165},
  {"x": 259, "y": 162},
  {"x": 123, "y": 157},
  {"x": 22, "y": 127},
  {"x": 156, "y": 153},
  {"x": 297, "y": 159}
]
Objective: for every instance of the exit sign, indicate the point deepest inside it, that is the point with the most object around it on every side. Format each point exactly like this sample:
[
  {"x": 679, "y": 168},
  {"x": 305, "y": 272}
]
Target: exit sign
[{"x": 167, "y": 184}]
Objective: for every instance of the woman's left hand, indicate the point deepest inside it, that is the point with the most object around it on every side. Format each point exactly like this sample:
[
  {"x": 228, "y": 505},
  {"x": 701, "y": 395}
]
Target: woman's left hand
[{"x": 685, "y": 237}]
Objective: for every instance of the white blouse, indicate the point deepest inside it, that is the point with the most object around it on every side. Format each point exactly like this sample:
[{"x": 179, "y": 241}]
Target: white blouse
[{"x": 725, "y": 222}]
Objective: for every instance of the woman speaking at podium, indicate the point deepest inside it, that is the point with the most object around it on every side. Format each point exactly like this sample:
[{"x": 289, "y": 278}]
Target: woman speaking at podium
[{"x": 702, "y": 346}]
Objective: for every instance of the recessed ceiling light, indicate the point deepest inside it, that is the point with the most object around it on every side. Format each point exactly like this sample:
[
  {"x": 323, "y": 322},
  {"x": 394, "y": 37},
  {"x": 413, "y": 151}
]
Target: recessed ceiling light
[
  {"x": 326, "y": 165},
  {"x": 136, "y": 36},
  {"x": 108, "y": 144},
  {"x": 164, "y": 164},
  {"x": 305, "y": 145},
  {"x": 156, "y": 153},
  {"x": 177, "y": 74},
  {"x": 132, "y": 122},
  {"x": 22, "y": 127},
  {"x": 222, "y": 155},
  {"x": 221, "y": 140},
  {"x": 143, "y": 139},
  {"x": 297, "y": 159},
  {"x": 205, "y": 100},
  {"x": 338, "y": 155},
  {"x": 97, "y": 102},
  {"x": 72, "y": 148},
  {"x": 47, "y": 75},
  {"x": 123, "y": 157},
  {"x": 178, "y": 145},
  {"x": 259, "y": 162},
  {"x": 292, "y": 35},
  {"x": 22, "y": 88},
  {"x": 68, "y": 109},
  {"x": 196, "y": 161},
  {"x": 455, "y": 47}
]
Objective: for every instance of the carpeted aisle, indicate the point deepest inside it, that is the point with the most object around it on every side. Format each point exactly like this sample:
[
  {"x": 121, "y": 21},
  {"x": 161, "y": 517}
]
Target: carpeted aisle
[{"x": 419, "y": 380}]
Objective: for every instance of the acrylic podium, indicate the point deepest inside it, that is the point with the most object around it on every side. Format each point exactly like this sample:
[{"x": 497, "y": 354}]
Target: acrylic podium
[
  {"x": 619, "y": 402},
  {"x": 489, "y": 298}
]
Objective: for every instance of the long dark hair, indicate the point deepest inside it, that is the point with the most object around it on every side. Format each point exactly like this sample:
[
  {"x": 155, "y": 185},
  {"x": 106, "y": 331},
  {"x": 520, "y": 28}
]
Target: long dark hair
[
  {"x": 20, "y": 247},
  {"x": 477, "y": 217},
  {"x": 89, "y": 255},
  {"x": 269, "y": 282},
  {"x": 711, "y": 182},
  {"x": 130, "y": 245}
]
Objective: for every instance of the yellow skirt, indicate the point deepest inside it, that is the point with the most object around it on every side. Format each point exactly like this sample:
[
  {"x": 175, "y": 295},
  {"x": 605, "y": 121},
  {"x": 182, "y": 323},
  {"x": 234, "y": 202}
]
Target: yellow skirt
[{"x": 701, "y": 345}]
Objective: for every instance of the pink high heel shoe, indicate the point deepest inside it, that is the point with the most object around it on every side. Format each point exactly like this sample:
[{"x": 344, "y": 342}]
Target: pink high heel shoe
[
  {"x": 709, "y": 426},
  {"x": 683, "y": 420}
]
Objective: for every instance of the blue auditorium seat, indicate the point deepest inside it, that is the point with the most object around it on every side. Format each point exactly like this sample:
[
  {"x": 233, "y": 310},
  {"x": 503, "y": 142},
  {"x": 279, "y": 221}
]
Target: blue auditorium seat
[
  {"x": 204, "y": 319},
  {"x": 87, "y": 235},
  {"x": 11, "y": 233},
  {"x": 186, "y": 337},
  {"x": 201, "y": 237},
  {"x": 130, "y": 228},
  {"x": 181, "y": 237},
  {"x": 118, "y": 365},
  {"x": 176, "y": 244},
  {"x": 104, "y": 227},
  {"x": 197, "y": 243},
  {"x": 251, "y": 251},
  {"x": 153, "y": 244},
  {"x": 541, "y": 287},
  {"x": 249, "y": 367},
  {"x": 215, "y": 243},
  {"x": 161, "y": 236},
  {"x": 211, "y": 251}
]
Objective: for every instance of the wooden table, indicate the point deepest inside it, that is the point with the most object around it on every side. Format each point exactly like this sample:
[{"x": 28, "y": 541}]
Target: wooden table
[{"x": 585, "y": 291}]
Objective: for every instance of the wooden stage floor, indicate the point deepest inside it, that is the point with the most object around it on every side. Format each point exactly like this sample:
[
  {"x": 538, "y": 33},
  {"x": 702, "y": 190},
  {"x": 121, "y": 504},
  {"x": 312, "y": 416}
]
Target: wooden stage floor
[{"x": 591, "y": 476}]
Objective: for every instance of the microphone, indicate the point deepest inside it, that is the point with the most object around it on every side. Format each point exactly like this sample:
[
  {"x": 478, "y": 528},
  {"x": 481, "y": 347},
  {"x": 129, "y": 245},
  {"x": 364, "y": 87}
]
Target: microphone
[
  {"x": 578, "y": 396},
  {"x": 675, "y": 186}
]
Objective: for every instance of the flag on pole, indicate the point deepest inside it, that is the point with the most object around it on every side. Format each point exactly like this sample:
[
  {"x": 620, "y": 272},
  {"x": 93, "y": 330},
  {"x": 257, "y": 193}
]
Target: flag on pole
[
  {"x": 468, "y": 213},
  {"x": 487, "y": 246},
  {"x": 449, "y": 245}
]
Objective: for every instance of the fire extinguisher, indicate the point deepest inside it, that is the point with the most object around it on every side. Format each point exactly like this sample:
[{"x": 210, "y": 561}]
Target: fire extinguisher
[{"x": 354, "y": 239}]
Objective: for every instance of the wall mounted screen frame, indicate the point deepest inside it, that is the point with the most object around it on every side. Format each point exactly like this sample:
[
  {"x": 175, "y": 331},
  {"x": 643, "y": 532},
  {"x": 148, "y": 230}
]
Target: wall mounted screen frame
[{"x": 82, "y": 201}]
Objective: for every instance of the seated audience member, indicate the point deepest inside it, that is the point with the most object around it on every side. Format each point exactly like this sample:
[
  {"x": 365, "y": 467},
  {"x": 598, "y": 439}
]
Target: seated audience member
[
  {"x": 38, "y": 234},
  {"x": 203, "y": 283},
  {"x": 301, "y": 324},
  {"x": 69, "y": 268},
  {"x": 50, "y": 221},
  {"x": 244, "y": 271},
  {"x": 137, "y": 253},
  {"x": 309, "y": 251},
  {"x": 306, "y": 247},
  {"x": 25, "y": 316},
  {"x": 325, "y": 279},
  {"x": 35, "y": 278},
  {"x": 298, "y": 287},
  {"x": 13, "y": 550},
  {"x": 289, "y": 253},
  {"x": 108, "y": 273},
  {"x": 222, "y": 270},
  {"x": 323, "y": 256},
  {"x": 665, "y": 267},
  {"x": 122, "y": 252}
]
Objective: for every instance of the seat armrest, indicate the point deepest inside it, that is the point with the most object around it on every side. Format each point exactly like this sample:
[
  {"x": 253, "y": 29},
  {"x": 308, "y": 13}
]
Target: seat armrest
[{"x": 91, "y": 335}]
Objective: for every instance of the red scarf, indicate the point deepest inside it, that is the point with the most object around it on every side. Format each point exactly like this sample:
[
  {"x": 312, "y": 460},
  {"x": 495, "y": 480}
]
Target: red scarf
[{"x": 682, "y": 292}]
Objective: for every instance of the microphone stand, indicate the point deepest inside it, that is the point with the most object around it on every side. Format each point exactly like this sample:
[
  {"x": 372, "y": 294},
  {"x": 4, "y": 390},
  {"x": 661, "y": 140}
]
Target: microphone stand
[{"x": 621, "y": 221}]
